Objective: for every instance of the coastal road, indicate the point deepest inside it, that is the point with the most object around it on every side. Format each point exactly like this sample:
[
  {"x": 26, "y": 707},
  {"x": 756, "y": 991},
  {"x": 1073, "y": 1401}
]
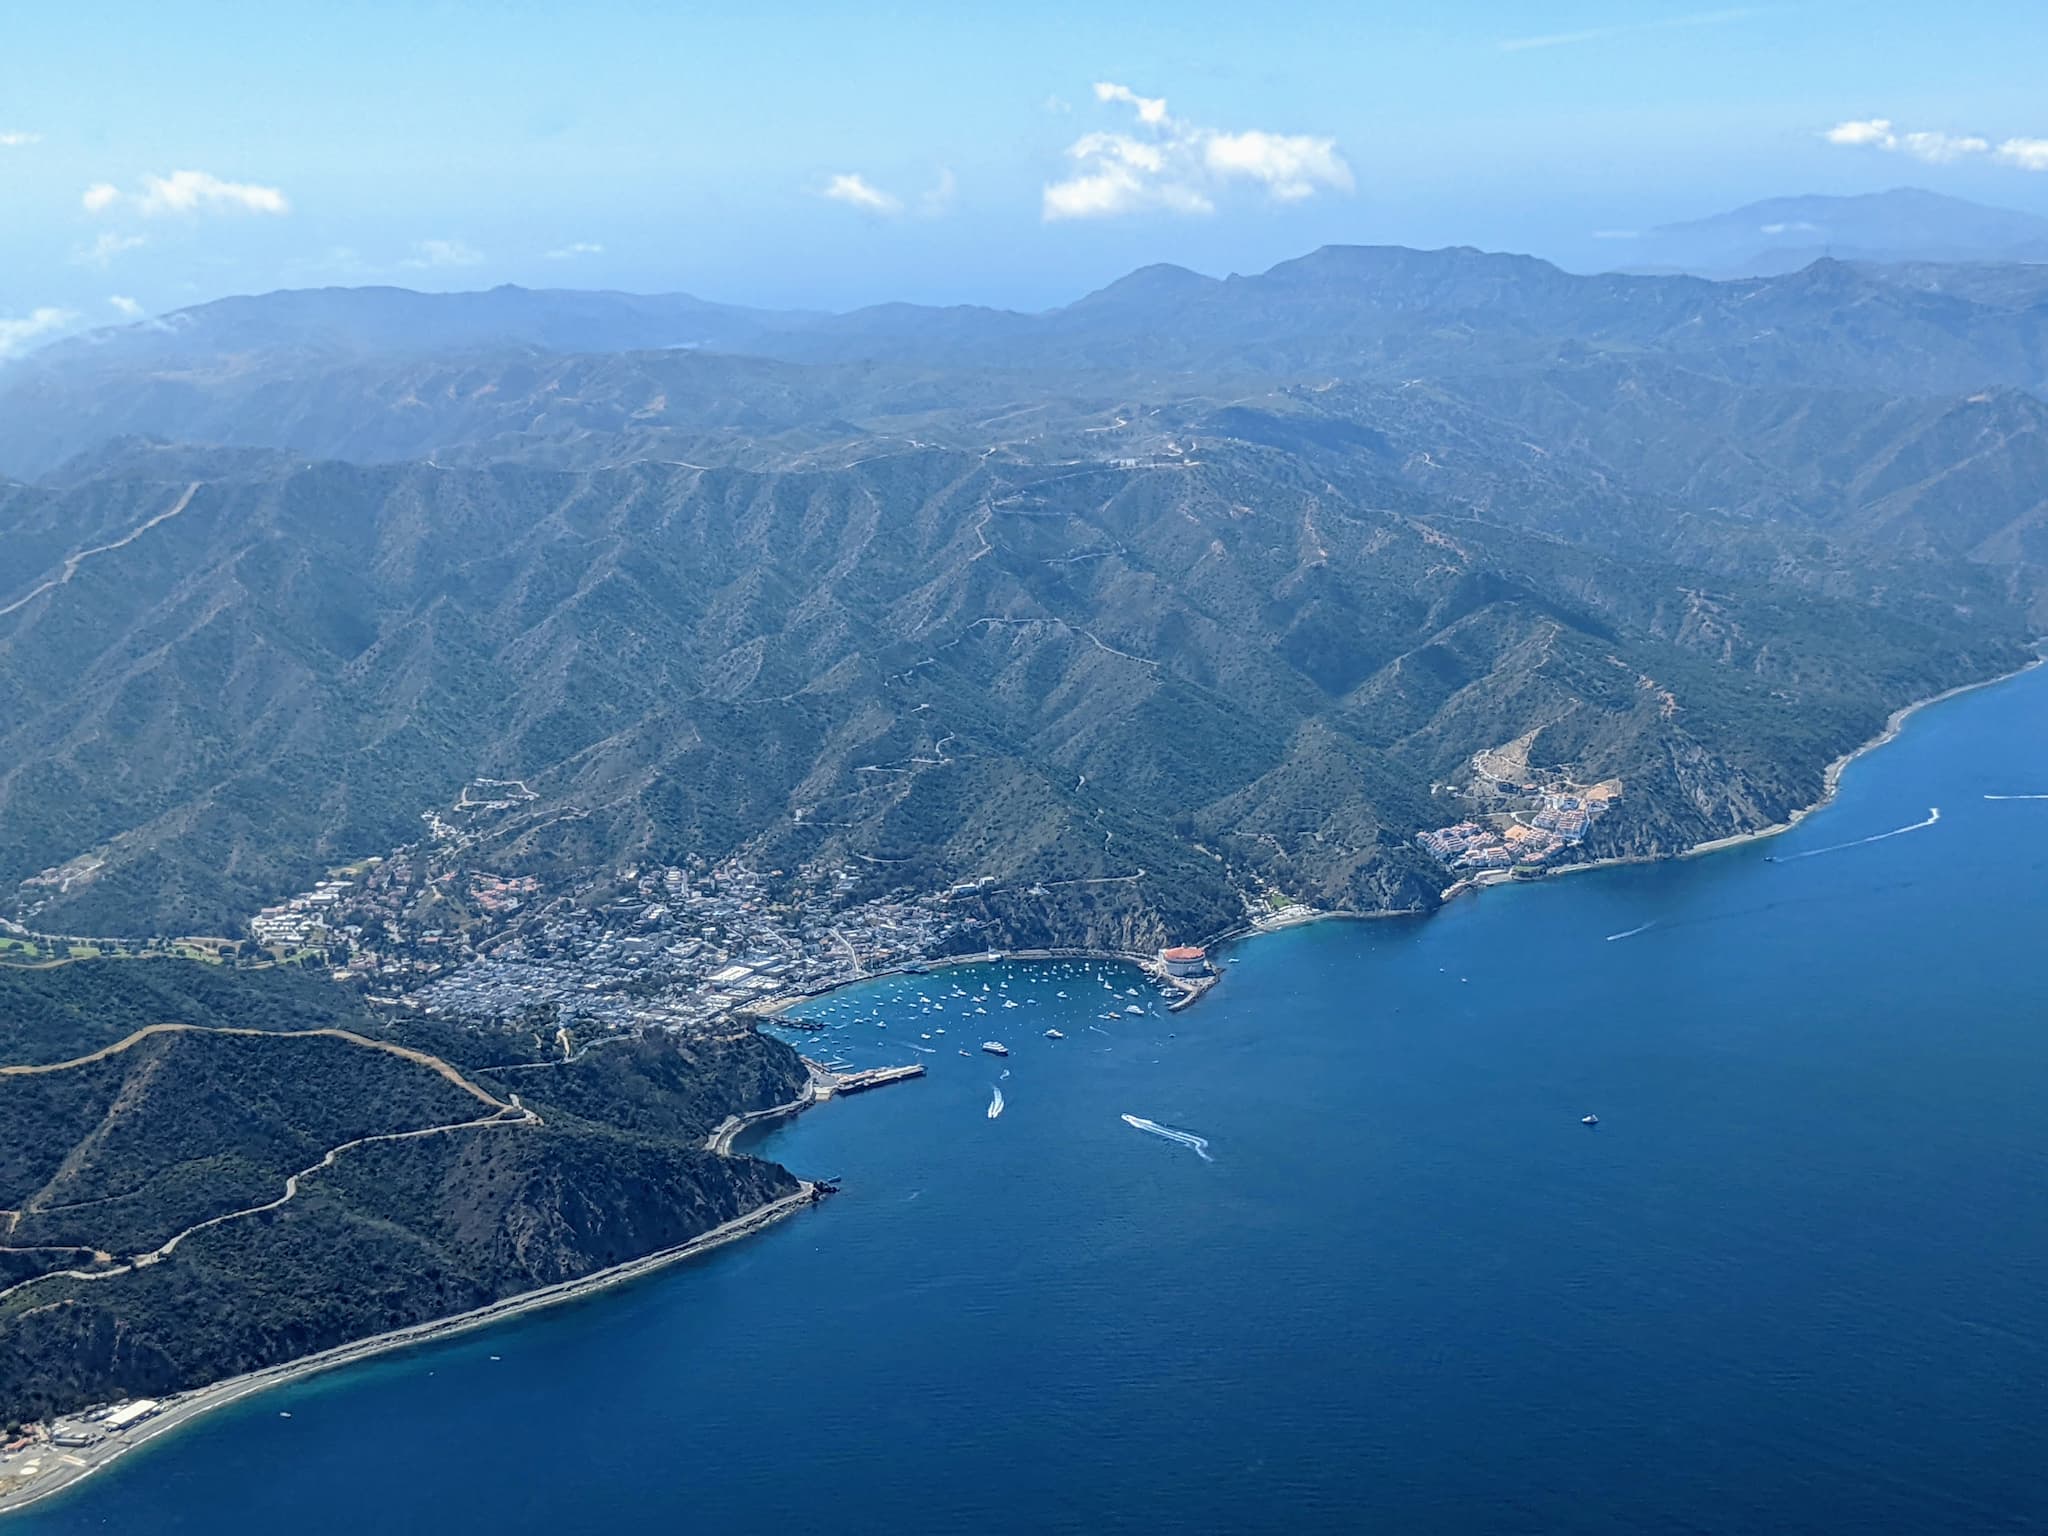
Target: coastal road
[{"x": 182, "y": 1408}]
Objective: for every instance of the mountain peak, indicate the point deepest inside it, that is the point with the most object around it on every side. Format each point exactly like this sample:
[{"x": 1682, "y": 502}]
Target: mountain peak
[{"x": 1162, "y": 281}]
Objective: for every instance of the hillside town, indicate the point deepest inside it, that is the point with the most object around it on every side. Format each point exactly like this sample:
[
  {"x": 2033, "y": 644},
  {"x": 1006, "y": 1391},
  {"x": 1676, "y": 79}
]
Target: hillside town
[
  {"x": 1519, "y": 817},
  {"x": 665, "y": 945}
]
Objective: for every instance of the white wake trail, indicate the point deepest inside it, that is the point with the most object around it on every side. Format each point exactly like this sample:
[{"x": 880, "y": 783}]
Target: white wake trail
[
  {"x": 1199, "y": 1144},
  {"x": 1933, "y": 815},
  {"x": 1629, "y": 933},
  {"x": 2016, "y": 797},
  {"x": 995, "y": 1105}
]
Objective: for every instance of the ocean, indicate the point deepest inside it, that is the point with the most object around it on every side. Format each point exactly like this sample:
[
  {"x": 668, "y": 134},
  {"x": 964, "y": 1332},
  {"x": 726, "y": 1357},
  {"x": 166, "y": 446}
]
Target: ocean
[{"x": 1795, "y": 1279}]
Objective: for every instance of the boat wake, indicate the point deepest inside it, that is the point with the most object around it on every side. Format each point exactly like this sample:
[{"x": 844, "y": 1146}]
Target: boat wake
[
  {"x": 1198, "y": 1144},
  {"x": 2016, "y": 797},
  {"x": 995, "y": 1105},
  {"x": 1629, "y": 933},
  {"x": 1933, "y": 815}
]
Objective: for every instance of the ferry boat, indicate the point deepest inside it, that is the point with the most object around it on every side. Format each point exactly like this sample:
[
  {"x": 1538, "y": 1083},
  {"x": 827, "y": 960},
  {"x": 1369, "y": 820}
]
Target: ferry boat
[{"x": 995, "y": 1047}]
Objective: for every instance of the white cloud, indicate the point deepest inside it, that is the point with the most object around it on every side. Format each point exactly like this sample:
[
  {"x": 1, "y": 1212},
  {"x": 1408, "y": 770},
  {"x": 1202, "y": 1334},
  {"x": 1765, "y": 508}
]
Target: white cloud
[
  {"x": 16, "y": 336},
  {"x": 1795, "y": 227},
  {"x": 17, "y": 139},
  {"x": 1941, "y": 148},
  {"x": 1617, "y": 234},
  {"x": 1869, "y": 130},
  {"x": 187, "y": 192},
  {"x": 1601, "y": 34},
  {"x": 1181, "y": 167},
  {"x": 856, "y": 191},
  {"x": 1937, "y": 148},
  {"x": 576, "y": 248},
  {"x": 1151, "y": 110},
  {"x": 192, "y": 191},
  {"x": 442, "y": 253},
  {"x": 105, "y": 248},
  {"x": 126, "y": 307},
  {"x": 2027, "y": 154},
  {"x": 1291, "y": 165}
]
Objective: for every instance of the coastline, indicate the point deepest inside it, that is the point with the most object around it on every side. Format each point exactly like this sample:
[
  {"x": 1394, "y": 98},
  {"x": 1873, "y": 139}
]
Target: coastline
[
  {"x": 1192, "y": 988},
  {"x": 187, "y": 1407},
  {"x": 1831, "y": 779},
  {"x": 1296, "y": 916},
  {"x": 1831, "y": 782}
]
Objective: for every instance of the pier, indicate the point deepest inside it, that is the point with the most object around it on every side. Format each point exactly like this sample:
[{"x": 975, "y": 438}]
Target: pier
[{"x": 873, "y": 1077}]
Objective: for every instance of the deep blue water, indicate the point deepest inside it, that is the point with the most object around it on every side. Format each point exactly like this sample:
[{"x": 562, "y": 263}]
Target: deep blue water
[{"x": 1795, "y": 1280}]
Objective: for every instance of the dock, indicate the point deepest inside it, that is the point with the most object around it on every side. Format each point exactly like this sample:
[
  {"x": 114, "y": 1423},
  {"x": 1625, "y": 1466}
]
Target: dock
[
  {"x": 821, "y": 1085},
  {"x": 873, "y": 1077}
]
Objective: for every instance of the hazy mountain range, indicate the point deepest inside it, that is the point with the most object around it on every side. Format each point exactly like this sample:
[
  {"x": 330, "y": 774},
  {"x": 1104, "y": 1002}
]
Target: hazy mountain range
[
  {"x": 1194, "y": 587},
  {"x": 1782, "y": 234}
]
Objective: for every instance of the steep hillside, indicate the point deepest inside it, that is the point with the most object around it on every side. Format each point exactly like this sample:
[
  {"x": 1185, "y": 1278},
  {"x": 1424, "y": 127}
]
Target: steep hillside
[
  {"x": 945, "y": 665},
  {"x": 212, "y": 1197},
  {"x": 1852, "y": 491}
]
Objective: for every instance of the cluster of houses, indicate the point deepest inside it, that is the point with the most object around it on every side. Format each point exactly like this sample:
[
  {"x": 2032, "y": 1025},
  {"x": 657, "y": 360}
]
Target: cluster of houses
[
  {"x": 679, "y": 950},
  {"x": 1510, "y": 840},
  {"x": 306, "y": 919}
]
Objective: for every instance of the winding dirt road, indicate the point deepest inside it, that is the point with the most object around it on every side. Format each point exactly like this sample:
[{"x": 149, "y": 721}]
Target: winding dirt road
[
  {"x": 502, "y": 1113},
  {"x": 73, "y": 562}
]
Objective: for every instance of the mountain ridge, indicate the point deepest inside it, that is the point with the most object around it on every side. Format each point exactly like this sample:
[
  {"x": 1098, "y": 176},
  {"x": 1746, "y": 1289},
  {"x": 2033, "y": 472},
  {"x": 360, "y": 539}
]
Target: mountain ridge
[{"x": 1194, "y": 589}]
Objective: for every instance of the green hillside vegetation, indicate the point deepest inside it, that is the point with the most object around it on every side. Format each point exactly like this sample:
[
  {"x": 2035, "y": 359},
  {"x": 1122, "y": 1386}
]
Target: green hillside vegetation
[
  {"x": 949, "y": 665},
  {"x": 1135, "y": 607},
  {"x": 1136, "y": 612},
  {"x": 110, "y": 1160}
]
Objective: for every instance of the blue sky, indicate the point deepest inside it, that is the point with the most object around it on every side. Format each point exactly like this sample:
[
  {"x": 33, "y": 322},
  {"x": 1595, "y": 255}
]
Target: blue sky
[{"x": 829, "y": 156}]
